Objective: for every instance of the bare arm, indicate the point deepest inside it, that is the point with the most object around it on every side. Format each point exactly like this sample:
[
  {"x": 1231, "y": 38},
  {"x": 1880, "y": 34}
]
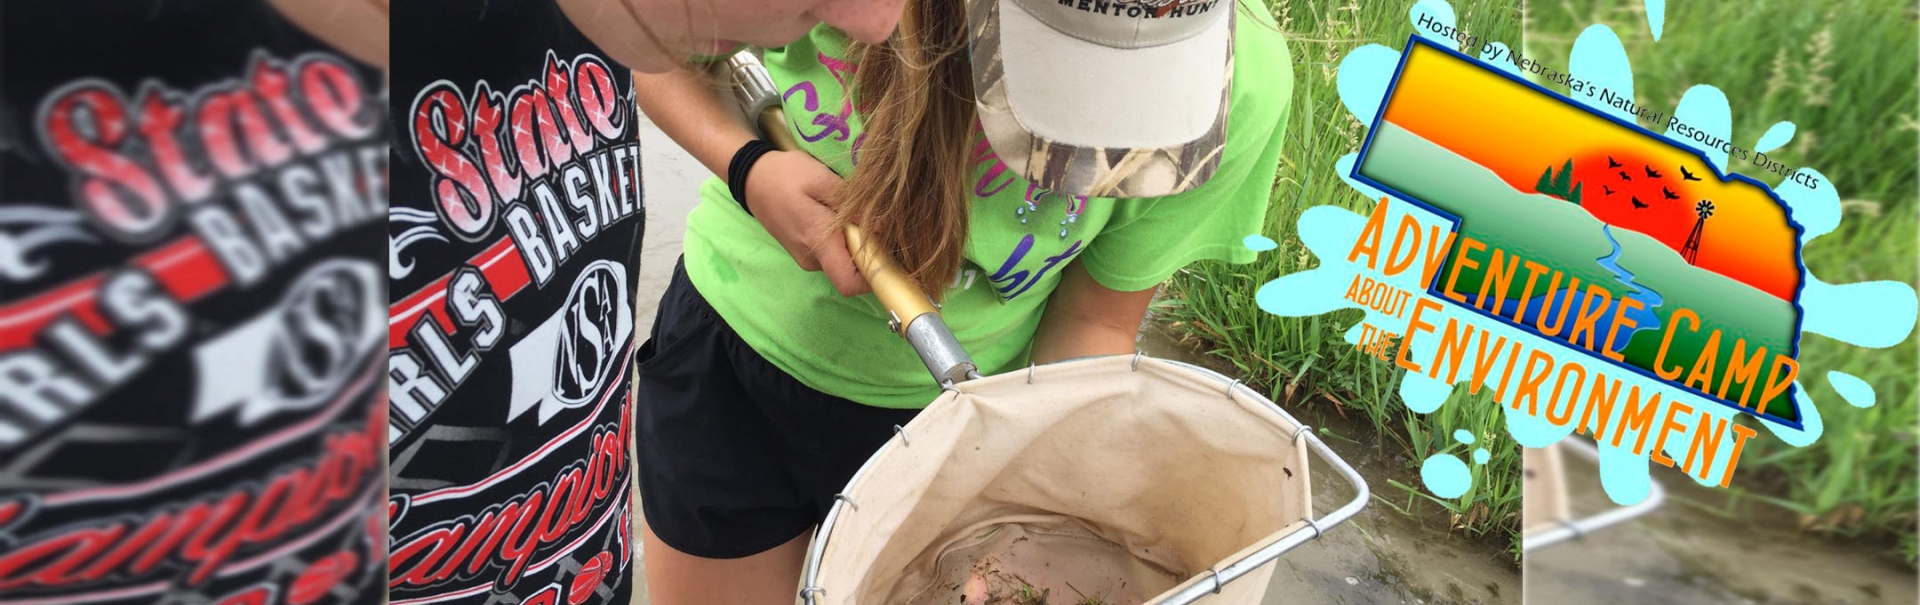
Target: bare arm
[
  {"x": 1085, "y": 318},
  {"x": 788, "y": 191},
  {"x": 695, "y": 115}
]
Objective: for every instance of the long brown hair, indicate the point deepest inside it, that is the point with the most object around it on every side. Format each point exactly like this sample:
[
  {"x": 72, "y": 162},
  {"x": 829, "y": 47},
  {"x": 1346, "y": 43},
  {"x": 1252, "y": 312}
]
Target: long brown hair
[{"x": 909, "y": 190}]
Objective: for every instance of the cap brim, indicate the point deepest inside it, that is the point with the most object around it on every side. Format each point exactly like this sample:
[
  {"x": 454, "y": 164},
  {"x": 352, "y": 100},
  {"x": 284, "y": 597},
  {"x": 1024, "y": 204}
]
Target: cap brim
[
  {"x": 1087, "y": 119},
  {"x": 1079, "y": 93}
]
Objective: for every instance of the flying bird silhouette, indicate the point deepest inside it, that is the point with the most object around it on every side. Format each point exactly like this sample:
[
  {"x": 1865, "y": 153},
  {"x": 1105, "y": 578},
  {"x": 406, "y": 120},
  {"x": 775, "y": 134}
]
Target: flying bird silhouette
[
  {"x": 1624, "y": 177},
  {"x": 1607, "y": 189},
  {"x": 1668, "y": 193},
  {"x": 1611, "y": 163},
  {"x": 1637, "y": 204},
  {"x": 1650, "y": 173},
  {"x": 1687, "y": 176}
]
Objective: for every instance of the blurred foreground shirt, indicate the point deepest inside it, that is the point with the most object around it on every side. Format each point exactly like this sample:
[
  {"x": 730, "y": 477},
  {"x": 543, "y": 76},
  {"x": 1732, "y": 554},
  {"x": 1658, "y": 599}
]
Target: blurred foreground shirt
[{"x": 192, "y": 406}]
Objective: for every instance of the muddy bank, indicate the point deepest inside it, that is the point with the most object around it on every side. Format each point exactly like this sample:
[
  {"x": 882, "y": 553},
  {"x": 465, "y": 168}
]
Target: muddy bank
[
  {"x": 670, "y": 185},
  {"x": 1682, "y": 553},
  {"x": 1380, "y": 556}
]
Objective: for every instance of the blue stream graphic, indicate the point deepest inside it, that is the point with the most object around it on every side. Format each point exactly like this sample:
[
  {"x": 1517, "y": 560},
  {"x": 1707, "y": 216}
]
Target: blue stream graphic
[{"x": 1566, "y": 302}]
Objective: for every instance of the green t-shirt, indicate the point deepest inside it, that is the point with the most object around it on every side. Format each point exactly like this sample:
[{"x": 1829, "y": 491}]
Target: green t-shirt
[{"x": 1020, "y": 237}]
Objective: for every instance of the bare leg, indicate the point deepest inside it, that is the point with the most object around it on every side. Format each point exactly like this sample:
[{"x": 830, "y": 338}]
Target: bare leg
[{"x": 768, "y": 578}]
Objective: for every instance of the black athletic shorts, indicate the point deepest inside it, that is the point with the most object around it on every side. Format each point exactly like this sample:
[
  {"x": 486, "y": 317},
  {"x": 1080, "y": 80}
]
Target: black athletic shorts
[{"x": 735, "y": 456}]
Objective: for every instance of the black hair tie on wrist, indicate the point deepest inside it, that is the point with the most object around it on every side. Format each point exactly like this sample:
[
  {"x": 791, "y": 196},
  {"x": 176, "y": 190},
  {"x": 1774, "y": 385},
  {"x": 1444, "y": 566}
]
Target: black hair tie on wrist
[{"x": 743, "y": 161}]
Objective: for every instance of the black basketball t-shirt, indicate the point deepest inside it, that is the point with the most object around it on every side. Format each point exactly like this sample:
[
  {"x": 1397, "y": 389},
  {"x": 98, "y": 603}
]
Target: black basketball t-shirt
[
  {"x": 191, "y": 402},
  {"x": 515, "y": 238}
]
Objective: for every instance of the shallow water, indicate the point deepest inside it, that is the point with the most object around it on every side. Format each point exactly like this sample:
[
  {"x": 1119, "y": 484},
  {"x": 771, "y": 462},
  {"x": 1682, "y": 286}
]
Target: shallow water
[{"x": 1379, "y": 556}]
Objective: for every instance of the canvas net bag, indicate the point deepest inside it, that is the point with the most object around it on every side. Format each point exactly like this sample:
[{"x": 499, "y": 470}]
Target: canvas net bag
[
  {"x": 1543, "y": 486},
  {"x": 1119, "y": 479}
]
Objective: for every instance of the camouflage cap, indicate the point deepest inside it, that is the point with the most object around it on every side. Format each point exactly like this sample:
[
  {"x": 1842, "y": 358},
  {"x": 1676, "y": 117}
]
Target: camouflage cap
[{"x": 1105, "y": 98}]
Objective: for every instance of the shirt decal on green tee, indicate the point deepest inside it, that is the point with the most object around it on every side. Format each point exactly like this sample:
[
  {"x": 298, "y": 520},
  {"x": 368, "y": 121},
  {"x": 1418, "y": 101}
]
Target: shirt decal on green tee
[
  {"x": 1008, "y": 282},
  {"x": 838, "y": 123},
  {"x": 1074, "y": 204},
  {"x": 1020, "y": 279},
  {"x": 990, "y": 184}
]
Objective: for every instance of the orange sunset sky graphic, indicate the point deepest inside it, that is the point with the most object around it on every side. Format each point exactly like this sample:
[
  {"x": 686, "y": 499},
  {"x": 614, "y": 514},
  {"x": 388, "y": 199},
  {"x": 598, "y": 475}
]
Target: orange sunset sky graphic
[{"x": 1628, "y": 180}]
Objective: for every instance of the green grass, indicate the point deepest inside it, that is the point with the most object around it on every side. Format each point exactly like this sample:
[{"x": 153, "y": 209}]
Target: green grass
[
  {"x": 1843, "y": 73},
  {"x": 1305, "y": 360}
]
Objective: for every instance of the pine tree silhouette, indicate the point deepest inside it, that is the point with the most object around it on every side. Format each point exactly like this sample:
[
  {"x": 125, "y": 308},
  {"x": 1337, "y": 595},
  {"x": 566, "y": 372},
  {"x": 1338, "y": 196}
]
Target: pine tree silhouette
[{"x": 1559, "y": 185}]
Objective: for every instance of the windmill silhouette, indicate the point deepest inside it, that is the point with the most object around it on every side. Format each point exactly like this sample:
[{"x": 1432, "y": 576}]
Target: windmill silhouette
[{"x": 1703, "y": 208}]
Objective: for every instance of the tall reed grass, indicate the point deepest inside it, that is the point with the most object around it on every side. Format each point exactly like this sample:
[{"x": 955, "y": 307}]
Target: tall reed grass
[{"x": 1305, "y": 359}]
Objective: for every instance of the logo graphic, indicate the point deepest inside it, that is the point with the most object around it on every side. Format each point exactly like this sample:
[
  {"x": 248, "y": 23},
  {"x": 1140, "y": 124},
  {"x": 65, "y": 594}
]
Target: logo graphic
[
  {"x": 1589, "y": 230},
  {"x": 568, "y": 359},
  {"x": 1592, "y": 275},
  {"x": 297, "y": 354}
]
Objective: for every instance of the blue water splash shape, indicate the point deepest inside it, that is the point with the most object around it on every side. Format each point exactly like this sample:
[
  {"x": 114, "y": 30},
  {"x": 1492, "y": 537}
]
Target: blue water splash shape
[
  {"x": 1623, "y": 474},
  {"x": 1776, "y": 137},
  {"x": 1599, "y": 58},
  {"x": 1872, "y": 314},
  {"x": 1463, "y": 435},
  {"x": 1440, "y": 12},
  {"x": 1307, "y": 292},
  {"x": 1258, "y": 243},
  {"x": 1852, "y": 389},
  {"x": 1704, "y": 109},
  {"x": 1502, "y": 57},
  {"x": 1875, "y": 314},
  {"x": 1480, "y": 456},
  {"x": 1363, "y": 78},
  {"x": 1445, "y": 475},
  {"x": 1656, "y": 17}
]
